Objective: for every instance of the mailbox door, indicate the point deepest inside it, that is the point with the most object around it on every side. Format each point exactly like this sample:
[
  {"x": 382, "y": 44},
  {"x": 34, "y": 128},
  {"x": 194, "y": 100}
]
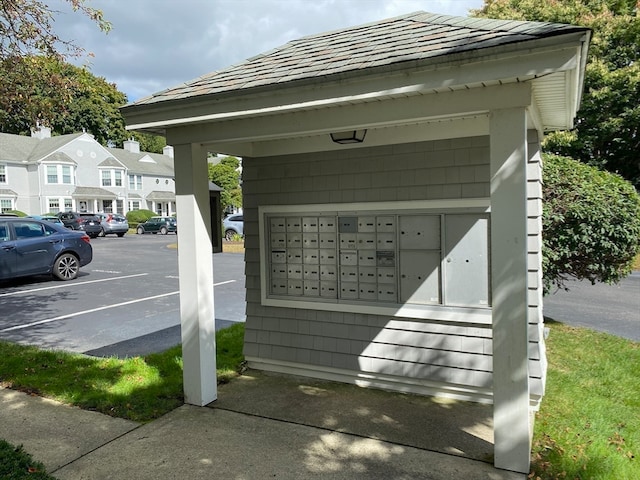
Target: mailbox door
[{"x": 420, "y": 277}]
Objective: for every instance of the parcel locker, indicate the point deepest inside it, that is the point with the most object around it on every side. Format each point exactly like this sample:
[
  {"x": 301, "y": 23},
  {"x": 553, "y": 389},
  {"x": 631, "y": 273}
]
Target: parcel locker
[
  {"x": 466, "y": 279},
  {"x": 419, "y": 232},
  {"x": 420, "y": 277}
]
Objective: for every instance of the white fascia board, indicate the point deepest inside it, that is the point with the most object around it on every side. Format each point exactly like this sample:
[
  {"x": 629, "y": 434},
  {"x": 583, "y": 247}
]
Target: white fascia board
[
  {"x": 538, "y": 58},
  {"x": 393, "y": 112}
]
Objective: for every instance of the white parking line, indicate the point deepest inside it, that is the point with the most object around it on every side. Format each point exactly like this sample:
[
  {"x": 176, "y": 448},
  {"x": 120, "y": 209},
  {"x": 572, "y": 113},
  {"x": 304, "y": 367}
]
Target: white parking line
[
  {"x": 76, "y": 314},
  {"x": 71, "y": 284}
]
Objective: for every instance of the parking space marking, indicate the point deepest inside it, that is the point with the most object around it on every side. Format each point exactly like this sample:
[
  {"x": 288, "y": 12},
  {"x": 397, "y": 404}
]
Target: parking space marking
[
  {"x": 106, "y": 307},
  {"x": 71, "y": 284}
]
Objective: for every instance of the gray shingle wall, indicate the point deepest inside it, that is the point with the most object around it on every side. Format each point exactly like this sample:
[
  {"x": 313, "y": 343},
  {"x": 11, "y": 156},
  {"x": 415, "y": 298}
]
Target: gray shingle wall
[{"x": 401, "y": 348}]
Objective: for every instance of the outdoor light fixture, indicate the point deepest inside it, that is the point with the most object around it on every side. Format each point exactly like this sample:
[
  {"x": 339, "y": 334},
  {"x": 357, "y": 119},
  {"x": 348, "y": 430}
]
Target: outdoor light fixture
[{"x": 352, "y": 136}]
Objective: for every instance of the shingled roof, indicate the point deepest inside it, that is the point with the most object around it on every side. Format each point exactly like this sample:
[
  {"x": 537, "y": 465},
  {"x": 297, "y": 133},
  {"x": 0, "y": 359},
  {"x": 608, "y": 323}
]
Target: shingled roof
[{"x": 416, "y": 37}]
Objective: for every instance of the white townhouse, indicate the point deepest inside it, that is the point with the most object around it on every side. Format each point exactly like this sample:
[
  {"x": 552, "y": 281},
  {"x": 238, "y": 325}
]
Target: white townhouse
[{"x": 48, "y": 174}]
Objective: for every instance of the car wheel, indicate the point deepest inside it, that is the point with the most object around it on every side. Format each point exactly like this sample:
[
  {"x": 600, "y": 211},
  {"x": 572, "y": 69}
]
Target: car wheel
[
  {"x": 229, "y": 234},
  {"x": 163, "y": 230},
  {"x": 121, "y": 234},
  {"x": 66, "y": 267},
  {"x": 140, "y": 230},
  {"x": 101, "y": 234}
]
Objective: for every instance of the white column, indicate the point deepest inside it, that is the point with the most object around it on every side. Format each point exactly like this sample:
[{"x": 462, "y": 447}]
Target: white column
[
  {"x": 195, "y": 269},
  {"x": 512, "y": 428}
]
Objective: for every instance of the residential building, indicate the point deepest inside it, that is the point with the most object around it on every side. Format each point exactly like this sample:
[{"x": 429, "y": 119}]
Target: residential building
[{"x": 50, "y": 174}]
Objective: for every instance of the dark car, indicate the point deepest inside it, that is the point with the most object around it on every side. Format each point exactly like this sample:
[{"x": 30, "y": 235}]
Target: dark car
[
  {"x": 87, "y": 222},
  {"x": 161, "y": 225},
  {"x": 34, "y": 247},
  {"x": 233, "y": 225},
  {"x": 113, "y": 223}
]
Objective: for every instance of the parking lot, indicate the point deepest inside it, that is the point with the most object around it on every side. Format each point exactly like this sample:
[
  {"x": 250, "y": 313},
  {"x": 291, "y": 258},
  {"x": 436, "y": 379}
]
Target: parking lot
[{"x": 125, "y": 302}]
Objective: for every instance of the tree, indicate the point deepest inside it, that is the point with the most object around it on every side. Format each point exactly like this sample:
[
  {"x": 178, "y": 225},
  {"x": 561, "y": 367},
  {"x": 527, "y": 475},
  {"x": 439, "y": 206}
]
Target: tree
[
  {"x": 26, "y": 28},
  {"x": 225, "y": 174},
  {"x": 591, "y": 223},
  {"x": 607, "y": 132}
]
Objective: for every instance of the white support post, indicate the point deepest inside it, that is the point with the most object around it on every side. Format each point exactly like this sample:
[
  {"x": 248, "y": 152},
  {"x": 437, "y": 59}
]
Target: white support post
[
  {"x": 512, "y": 427},
  {"x": 195, "y": 269}
]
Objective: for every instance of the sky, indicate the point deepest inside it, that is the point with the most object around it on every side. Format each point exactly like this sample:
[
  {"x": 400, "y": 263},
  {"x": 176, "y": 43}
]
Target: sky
[{"x": 157, "y": 44}]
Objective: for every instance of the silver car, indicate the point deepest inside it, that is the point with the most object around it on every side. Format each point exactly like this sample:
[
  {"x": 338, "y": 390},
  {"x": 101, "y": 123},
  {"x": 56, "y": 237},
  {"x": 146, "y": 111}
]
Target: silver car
[{"x": 113, "y": 223}]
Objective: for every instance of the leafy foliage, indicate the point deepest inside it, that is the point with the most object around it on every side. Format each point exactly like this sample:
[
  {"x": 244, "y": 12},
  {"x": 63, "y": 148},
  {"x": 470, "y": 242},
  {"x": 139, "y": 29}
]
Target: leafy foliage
[
  {"x": 139, "y": 216},
  {"x": 225, "y": 174},
  {"x": 591, "y": 223},
  {"x": 26, "y": 27},
  {"x": 16, "y": 464},
  {"x": 607, "y": 132}
]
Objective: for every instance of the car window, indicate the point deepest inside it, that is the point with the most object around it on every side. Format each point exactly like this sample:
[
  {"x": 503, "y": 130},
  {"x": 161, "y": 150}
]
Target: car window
[
  {"x": 4, "y": 232},
  {"x": 28, "y": 230}
]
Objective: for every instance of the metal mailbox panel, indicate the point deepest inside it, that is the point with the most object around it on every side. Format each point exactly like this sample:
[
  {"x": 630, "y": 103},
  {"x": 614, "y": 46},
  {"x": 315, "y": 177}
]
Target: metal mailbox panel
[
  {"x": 278, "y": 257},
  {"x": 349, "y": 290},
  {"x": 367, "y": 224},
  {"x": 386, "y": 223},
  {"x": 277, "y": 225},
  {"x": 278, "y": 240},
  {"x": 310, "y": 256},
  {"x": 386, "y": 275},
  {"x": 311, "y": 288},
  {"x": 466, "y": 277},
  {"x": 294, "y": 287},
  {"x": 294, "y": 240},
  {"x": 294, "y": 271},
  {"x": 294, "y": 224},
  {"x": 420, "y": 277},
  {"x": 368, "y": 291},
  {"x": 367, "y": 274},
  {"x": 311, "y": 272},
  {"x": 366, "y": 241},
  {"x": 348, "y": 241},
  {"x": 294, "y": 255},
  {"x": 348, "y": 224},
  {"x": 329, "y": 289},
  {"x": 328, "y": 257},
  {"x": 310, "y": 240},
  {"x": 310, "y": 224},
  {"x": 327, "y": 240},
  {"x": 349, "y": 274},
  {"x": 349, "y": 258},
  {"x": 386, "y": 241},
  {"x": 387, "y": 292},
  {"x": 419, "y": 232},
  {"x": 327, "y": 224},
  {"x": 279, "y": 271},
  {"x": 279, "y": 287},
  {"x": 367, "y": 258},
  {"x": 328, "y": 272}
]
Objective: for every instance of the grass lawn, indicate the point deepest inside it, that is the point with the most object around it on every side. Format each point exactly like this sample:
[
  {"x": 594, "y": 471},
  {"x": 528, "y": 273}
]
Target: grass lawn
[{"x": 588, "y": 426}]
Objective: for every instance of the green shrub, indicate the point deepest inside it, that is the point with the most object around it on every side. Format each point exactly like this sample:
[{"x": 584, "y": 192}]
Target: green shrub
[
  {"x": 17, "y": 212},
  {"x": 591, "y": 223},
  {"x": 139, "y": 216}
]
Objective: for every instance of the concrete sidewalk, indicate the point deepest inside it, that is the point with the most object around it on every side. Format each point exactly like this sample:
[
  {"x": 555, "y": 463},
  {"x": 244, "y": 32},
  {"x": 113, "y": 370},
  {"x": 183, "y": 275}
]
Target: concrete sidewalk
[{"x": 263, "y": 426}]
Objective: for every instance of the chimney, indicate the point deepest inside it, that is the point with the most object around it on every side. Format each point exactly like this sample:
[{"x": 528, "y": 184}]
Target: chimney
[
  {"x": 168, "y": 151},
  {"x": 131, "y": 145},
  {"x": 41, "y": 132}
]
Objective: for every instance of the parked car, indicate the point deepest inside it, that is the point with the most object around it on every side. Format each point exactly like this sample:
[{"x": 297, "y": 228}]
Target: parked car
[
  {"x": 87, "y": 222},
  {"x": 48, "y": 218},
  {"x": 233, "y": 225},
  {"x": 161, "y": 225},
  {"x": 35, "y": 247},
  {"x": 113, "y": 223}
]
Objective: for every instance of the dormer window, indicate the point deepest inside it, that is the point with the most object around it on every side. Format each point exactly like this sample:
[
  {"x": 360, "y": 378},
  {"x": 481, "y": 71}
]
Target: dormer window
[{"x": 60, "y": 174}]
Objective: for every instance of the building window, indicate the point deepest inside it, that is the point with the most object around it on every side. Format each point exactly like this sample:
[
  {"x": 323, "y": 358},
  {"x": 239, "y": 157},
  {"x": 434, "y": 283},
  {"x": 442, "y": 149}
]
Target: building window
[
  {"x": 118, "y": 178},
  {"x": 3, "y": 174},
  {"x": 110, "y": 178},
  {"x": 135, "y": 182},
  {"x": 106, "y": 178},
  {"x": 54, "y": 204},
  {"x": 107, "y": 206},
  {"x": 6, "y": 205},
  {"x": 60, "y": 174},
  {"x": 134, "y": 205}
]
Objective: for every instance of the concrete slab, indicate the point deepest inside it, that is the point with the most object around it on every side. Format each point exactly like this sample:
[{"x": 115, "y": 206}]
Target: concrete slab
[
  {"x": 53, "y": 433},
  {"x": 442, "y": 425},
  {"x": 203, "y": 443}
]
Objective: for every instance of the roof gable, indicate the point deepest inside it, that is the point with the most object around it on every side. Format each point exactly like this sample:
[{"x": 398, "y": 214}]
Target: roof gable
[{"x": 419, "y": 36}]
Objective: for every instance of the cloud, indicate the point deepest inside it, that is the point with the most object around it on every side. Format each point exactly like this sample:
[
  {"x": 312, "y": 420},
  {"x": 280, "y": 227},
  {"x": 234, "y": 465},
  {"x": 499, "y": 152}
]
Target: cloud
[{"x": 156, "y": 44}]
